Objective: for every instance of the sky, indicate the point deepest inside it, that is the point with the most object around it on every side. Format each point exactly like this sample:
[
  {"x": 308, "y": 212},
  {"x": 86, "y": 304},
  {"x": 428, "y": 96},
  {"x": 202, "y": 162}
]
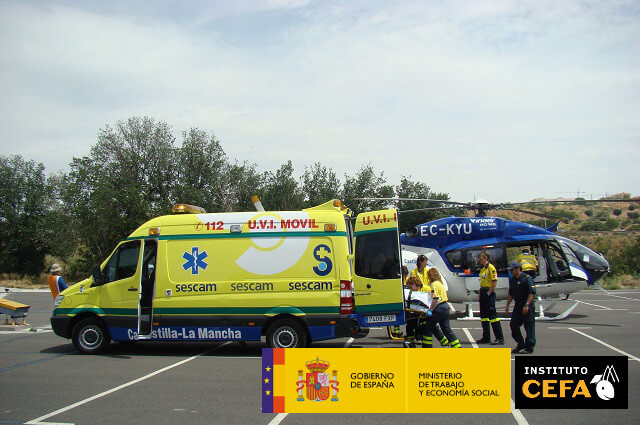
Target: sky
[{"x": 500, "y": 100}]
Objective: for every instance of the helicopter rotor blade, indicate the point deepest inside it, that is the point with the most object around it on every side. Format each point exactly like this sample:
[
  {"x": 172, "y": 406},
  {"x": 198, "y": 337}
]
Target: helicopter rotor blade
[
  {"x": 537, "y": 214},
  {"x": 442, "y": 201},
  {"x": 574, "y": 201},
  {"x": 426, "y": 209}
]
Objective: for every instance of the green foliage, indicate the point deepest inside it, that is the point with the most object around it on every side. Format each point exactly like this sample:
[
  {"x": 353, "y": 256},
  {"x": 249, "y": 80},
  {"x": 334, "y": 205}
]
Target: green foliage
[
  {"x": 632, "y": 207},
  {"x": 560, "y": 213},
  {"x": 411, "y": 189},
  {"x": 24, "y": 200},
  {"x": 281, "y": 191},
  {"x": 201, "y": 167},
  {"x": 319, "y": 185},
  {"x": 617, "y": 212},
  {"x": 633, "y": 215},
  {"x": 598, "y": 225},
  {"x": 588, "y": 213},
  {"x": 366, "y": 183}
]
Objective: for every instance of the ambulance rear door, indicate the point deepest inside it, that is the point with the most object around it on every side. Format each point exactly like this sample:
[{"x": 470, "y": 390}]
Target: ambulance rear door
[{"x": 377, "y": 273}]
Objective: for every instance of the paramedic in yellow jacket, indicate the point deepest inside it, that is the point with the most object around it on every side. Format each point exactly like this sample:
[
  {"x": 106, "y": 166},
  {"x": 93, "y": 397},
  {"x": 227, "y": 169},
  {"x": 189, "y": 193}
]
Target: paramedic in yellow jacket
[
  {"x": 440, "y": 315},
  {"x": 488, "y": 314},
  {"x": 420, "y": 272},
  {"x": 528, "y": 262}
]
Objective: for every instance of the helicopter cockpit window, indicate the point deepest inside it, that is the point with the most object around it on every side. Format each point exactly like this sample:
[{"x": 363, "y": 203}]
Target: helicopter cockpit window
[
  {"x": 590, "y": 259},
  {"x": 498, "y": 258},
  {"x": 455, "y": 258},
  {"x": 557, "y": 263}
]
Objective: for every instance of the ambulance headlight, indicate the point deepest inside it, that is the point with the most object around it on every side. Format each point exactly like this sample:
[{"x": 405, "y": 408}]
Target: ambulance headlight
[{"x": 58, "y": 300}]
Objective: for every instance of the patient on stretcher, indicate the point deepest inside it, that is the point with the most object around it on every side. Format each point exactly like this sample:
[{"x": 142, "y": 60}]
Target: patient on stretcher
[{"x": 417, "y": 300}]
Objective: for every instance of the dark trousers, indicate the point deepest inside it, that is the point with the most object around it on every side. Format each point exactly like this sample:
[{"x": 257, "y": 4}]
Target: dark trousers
[
  {"x": 438, "y": 323},
  {"x": 528, "y": 320},
  {"x": 416, "y": 325},
  {"x": 489, "y": 316}
]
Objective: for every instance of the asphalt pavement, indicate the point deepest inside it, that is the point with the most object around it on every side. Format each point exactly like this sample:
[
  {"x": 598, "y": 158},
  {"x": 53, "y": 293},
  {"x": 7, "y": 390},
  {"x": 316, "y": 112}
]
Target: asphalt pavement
[{"x": 44, "y": 380}]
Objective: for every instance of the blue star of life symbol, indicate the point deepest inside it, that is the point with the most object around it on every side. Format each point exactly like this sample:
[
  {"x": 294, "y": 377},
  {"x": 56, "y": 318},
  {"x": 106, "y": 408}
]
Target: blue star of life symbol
[{"x": 195, "y": 260}]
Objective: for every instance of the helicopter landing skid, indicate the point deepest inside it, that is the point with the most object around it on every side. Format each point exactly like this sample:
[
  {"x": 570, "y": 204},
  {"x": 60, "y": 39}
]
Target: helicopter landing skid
[{"x": 539, "y": 317}]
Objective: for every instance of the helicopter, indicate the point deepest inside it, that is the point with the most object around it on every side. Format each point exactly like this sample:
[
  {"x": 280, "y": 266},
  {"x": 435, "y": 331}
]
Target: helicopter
[{"x": 452, "y": 245}]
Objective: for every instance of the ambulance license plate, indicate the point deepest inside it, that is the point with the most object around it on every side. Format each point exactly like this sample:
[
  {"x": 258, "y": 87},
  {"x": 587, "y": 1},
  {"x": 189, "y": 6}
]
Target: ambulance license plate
[{"x": 380, "y": 319}]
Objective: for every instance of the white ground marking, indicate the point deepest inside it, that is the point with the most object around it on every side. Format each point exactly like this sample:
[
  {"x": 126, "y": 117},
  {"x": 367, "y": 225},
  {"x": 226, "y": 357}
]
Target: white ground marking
[
  {"x": 606, "y": 345},
  {"x": 39, "y": 421},
  {"x": 626, "y": 298},
  {"x": 517, "y": 414},
  {"x": 470, "y": 338},
  {"x": 594, "y": 305},
  {"x": 611, "y": 309},
  {"x": 348, "y": 343},
  {"x": 567, "y": 327},
  {"x": 279, "y": 417}
]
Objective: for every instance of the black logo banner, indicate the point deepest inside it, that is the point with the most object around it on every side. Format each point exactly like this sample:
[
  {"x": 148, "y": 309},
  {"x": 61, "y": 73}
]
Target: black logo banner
[{"x": 572, "y": 382}]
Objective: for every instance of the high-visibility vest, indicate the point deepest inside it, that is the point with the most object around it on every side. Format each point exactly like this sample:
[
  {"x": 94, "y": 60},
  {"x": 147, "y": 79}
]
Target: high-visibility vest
[
  {"x": 55, "y": 285},
  {"x": 527, "y": 261}
]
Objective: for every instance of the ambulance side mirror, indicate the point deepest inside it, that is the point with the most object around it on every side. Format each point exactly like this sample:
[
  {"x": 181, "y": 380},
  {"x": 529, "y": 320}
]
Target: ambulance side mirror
[{"x": 98, "y": 277}]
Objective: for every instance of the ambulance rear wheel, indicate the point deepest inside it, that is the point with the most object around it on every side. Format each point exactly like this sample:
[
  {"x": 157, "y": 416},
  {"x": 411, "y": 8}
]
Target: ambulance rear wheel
[
  {"x": 90, "y": 336},
  {"x": 286, "y": 334}
]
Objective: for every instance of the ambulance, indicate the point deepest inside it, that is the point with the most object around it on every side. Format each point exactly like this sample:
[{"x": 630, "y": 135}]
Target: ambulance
[{"x": 286, "y": 277}]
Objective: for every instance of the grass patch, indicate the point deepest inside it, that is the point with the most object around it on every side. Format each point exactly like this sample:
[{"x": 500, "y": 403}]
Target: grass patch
[
  {"x": 621, "y": 281},
  {"x": 11, "y": 280}
]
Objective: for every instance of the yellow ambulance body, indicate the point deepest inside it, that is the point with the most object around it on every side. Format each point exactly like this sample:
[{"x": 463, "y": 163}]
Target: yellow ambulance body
[{"x": 287, "y": 276}]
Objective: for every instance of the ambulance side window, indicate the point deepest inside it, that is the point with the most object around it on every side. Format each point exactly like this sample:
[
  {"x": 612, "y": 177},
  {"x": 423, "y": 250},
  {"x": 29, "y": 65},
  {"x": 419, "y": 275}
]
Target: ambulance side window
[
  {"x": 124, "y": 262},
  {"x": 377, "y": 255}
]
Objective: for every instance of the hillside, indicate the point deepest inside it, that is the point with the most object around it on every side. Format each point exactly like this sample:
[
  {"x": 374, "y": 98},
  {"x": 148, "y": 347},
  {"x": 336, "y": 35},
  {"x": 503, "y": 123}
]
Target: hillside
[{"x": 583, "y": 217}]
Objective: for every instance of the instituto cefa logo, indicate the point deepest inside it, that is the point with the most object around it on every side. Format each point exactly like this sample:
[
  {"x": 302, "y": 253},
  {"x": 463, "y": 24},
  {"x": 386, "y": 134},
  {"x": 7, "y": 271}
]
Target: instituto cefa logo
[
  {"x": 572, "y": 382},
  {"x": 317, "y": 382},
  {"x": 604, "y": 383}
]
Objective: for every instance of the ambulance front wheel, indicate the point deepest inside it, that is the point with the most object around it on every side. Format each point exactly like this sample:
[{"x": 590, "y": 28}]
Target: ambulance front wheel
[
  {"x": 286, "y": 334},
  {"x": 90, "y": 336}
]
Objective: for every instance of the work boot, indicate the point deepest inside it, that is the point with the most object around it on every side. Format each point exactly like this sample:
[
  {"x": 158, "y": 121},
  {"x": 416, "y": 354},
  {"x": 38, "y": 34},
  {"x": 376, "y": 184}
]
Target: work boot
[
  {"x": 527, "y": 351},
  {"x": 486, "y": 333},
  {"x": 517, "y": 349},
  {"x": 498, "y": 342},
  {"x": 497, "y": 330}
]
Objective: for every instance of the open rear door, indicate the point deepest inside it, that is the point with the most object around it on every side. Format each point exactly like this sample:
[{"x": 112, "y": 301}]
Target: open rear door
[
  {"x": 377, "y": 277},
  {"x": 147, "y": 289}
]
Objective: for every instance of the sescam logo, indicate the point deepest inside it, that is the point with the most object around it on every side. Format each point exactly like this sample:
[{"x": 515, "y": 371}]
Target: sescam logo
[
  {"x": 321, "y": 253},
  {"x": 318, "y": 384},
  {"x": 571, "y": 382}
]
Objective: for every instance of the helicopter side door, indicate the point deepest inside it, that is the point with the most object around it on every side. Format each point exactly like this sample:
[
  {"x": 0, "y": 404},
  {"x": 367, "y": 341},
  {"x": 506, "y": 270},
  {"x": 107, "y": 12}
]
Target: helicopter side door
[{"x": 498, "y": 259}]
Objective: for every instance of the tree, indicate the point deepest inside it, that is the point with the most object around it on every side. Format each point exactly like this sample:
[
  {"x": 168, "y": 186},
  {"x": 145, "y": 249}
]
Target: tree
[
  {"x": 242, "y": 182},
  {"x": 366, "y": 183},
  {"x": 281, "y": 190},
  {"x": 127, "y": 179},
  {"x": 319, "y": 185},
  {"x": 410, "y": 189},
  {"x": 201, "y": 165},
  {"x": 23, "y": 203}
]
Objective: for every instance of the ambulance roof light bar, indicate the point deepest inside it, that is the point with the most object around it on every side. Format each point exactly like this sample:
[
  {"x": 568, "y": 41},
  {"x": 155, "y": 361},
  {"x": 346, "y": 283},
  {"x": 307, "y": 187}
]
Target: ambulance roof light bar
[{"x": 187, "y": 209}]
